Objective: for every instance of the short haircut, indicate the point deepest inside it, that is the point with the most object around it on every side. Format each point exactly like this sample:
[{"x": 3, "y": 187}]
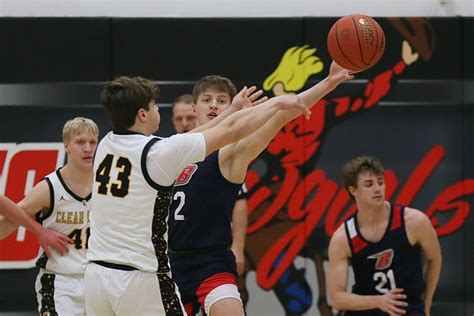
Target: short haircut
[
  {"x": 185, "y": 98},
  {"x": 77, "y": 126},
  {"x": 358, "y": 165},
  {"x": 124, "y": 96},
  {"x": 216, "y": 82}
]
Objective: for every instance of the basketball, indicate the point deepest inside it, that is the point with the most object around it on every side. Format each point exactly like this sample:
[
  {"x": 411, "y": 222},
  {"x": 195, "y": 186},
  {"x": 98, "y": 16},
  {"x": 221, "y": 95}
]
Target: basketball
[{"x": 356, "y": 42}]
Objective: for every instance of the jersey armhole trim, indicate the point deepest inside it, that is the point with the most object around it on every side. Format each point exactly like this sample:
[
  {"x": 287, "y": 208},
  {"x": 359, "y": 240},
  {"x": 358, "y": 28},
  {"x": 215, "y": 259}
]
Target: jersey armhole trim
[
  {"x": 146, "y": 175},
  {"x": 348, "y": 236},
  {"x": 39, "y": 216}
]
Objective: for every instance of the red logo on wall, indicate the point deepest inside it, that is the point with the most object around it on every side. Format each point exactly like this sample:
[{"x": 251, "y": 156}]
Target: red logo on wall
[{"x": 22, "y": 166}]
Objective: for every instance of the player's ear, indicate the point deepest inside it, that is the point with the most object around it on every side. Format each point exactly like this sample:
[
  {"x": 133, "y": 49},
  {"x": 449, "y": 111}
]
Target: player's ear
[
  {"x": 194, "y": 108},
  {"x": 352, "y": 190},
  {"x": 66, "y": 147},
  {"x": 141, "y": 115}
]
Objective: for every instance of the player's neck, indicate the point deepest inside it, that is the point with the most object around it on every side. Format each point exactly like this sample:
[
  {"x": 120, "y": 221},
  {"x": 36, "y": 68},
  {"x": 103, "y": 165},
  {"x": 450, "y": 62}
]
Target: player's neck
[
  {"x": 77, "y": 175},
  {"x": 141, "y": 129},
  {"x": 368, "y": 214},
  {"x": 199, "y": 123}
]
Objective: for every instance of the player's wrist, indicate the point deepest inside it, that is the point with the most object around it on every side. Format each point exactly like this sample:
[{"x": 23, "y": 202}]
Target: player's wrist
[
  {"x": 237, "y": 248},
  {"x": 377, "y": 301},
  {"x": 36, "y": 229},
  {"x": 333, "y": 81}
]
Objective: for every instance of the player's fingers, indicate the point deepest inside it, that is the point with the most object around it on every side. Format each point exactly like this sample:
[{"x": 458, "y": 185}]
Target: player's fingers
[
  {"x": 260, "y": 101},
  {"x": 397, "y": 310},
  {"x": 306, "y": 111},
  {"x": 251, "y": 90},
  {"x": 397, "y": 302},
  {"x": 65, "y": 246},
  {"x": 400, "y": 296},
  {"x": 400, "y": 303},
  {"x": 397, "y": 290},
  {"x": 349, "y": 75},
  {"x": 243, "y": 92},
  {"x": 66, "y": 239},
  {"x": 47, "y": 251},
  {"x": 61, "y": 247},
  {"x": 255, "y": 95}
]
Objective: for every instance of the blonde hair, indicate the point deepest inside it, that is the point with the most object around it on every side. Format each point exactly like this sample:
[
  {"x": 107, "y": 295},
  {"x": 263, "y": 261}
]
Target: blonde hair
[{"x": 77, "y": 126}]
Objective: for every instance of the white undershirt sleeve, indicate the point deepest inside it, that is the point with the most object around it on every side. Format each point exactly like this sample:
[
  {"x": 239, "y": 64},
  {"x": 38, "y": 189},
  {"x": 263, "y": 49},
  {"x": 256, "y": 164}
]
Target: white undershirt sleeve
[{"x": 167, "y": 157}]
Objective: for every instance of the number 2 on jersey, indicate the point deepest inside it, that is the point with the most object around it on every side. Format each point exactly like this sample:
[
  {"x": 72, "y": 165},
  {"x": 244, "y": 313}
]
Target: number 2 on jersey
[
  {"x": 102, "y": 176},
  {"x": 382, "y": 279},
  {"x": 182, "y": 199}
]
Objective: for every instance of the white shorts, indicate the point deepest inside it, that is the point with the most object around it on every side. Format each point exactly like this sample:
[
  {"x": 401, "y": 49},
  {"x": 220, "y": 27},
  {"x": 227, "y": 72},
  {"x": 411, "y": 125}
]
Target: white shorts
[
  {"x": 118, "y": 292},
  {"x": 60, "y": 294}
]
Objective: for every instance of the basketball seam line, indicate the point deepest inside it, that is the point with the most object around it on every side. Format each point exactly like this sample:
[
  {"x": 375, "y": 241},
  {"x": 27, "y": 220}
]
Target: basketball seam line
[
  {"x": 376, "y": 46},
  {"x": 342, "y": 51},
  {"x": 358, "y": 42}
]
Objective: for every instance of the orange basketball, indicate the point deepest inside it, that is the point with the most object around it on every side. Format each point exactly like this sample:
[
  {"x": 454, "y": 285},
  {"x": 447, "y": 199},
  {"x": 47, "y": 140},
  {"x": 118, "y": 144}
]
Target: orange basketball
[{"x": 356, "y": 42}]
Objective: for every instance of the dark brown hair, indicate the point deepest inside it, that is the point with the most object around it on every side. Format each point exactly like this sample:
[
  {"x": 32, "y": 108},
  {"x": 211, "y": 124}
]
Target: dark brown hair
[{"x": 124, "y": 96}]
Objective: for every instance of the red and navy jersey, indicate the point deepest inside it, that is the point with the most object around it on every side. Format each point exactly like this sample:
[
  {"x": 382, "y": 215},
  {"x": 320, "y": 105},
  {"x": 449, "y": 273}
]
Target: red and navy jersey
[
  {"x": 390, "y": 263},
  {"x": 201, "y": 210}
]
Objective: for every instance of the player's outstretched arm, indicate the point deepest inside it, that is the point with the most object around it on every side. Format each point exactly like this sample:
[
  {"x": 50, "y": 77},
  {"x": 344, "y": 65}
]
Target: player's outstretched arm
[
  {"x": 392, "y": 302},
  {"x": 246, "y": 150},
  {"x": 32, "y": 203},
  {"x": 244, "y": 122},
  {"x": 247, "y": 97},
  {"x": 419, "y": 226},
  {"x": 336, "y": 76},
  {"x": 16, "y": 216}
]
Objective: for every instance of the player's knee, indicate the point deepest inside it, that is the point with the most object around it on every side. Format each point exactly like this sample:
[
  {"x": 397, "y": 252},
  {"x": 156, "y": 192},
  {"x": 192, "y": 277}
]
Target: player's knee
[{"x": 230, "y": 306}]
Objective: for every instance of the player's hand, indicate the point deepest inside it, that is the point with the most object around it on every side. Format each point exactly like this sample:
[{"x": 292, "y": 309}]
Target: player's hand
[
  {"x": 248, "y": 97},
  {"x": 338, "y": 74},
  {"x": 239, "y": 260},
  {"x": 292, "y": 102},
  {"x": 393, "y": 302},
  {"x": 48, "y": 238}
]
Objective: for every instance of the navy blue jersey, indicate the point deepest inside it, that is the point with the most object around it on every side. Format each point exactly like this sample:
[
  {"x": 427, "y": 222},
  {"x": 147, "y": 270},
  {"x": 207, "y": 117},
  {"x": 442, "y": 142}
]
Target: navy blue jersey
[
  {"x": 201, "y": 209},
  {"x": 390, "y": 263}
]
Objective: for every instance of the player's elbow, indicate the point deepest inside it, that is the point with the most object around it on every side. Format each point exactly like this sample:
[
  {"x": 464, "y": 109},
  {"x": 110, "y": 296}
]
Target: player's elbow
[
  {"x": 338, "y": 304},
  {"x": 3, "y": 234},
  {"x": 337, "y": 299},
  {"x": 435, "y": 260},
  {"x": 5, "y": 229}
]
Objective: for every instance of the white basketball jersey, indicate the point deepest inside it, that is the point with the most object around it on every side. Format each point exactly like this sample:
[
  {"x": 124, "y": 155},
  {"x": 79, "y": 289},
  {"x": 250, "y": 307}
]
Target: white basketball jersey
[
  {"x": 129, "y": 209},
  {"x": 68, "y": 214}
]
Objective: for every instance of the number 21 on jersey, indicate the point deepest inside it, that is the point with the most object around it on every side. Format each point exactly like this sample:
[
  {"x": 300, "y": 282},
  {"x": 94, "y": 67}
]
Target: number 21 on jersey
[{"x": 386, "y": 281}]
